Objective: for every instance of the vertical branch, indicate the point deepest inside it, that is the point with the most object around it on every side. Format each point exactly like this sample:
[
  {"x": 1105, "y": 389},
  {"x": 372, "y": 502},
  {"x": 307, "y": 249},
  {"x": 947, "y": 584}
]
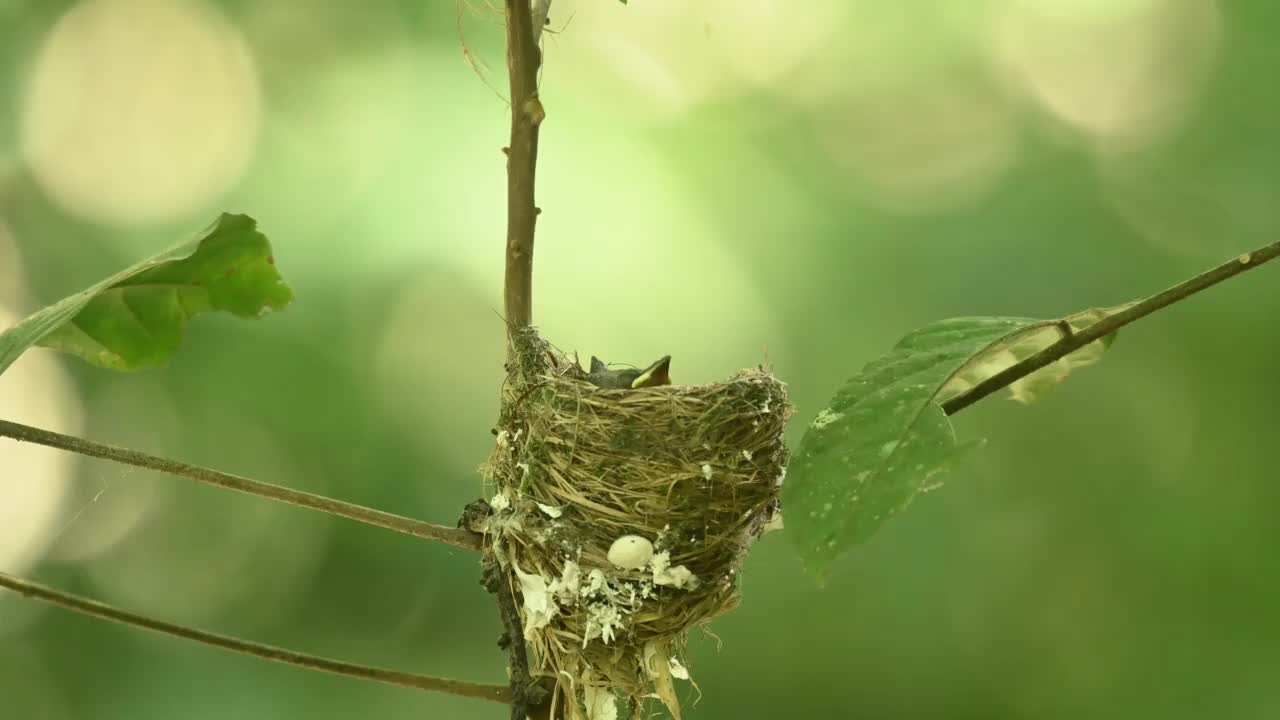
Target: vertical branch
[
  {"x": 529, "y": 699},
  {"x": 523, "y": 60}
]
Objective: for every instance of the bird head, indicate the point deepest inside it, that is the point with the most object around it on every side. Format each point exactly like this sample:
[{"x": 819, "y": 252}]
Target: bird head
[{"x": 659, "y": 373}]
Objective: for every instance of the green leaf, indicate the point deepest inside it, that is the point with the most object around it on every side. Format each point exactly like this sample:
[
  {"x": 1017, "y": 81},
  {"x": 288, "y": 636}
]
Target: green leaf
[
  {"x": 136, "y": 318},
  {"x": 884, "y": 438}
]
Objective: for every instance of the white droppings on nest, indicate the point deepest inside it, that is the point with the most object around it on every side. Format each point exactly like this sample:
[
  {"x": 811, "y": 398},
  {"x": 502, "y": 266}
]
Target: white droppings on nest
[
  {"x": 782, "y": 476},
  {"x": 498, "y": 526},
  {"x": 542, "y": 599},
  {"x": 502, "y": 438},
  {"x": 603, "y": 618},
  {"x": 567, "y": 587},
  {"x": 608, "y": 460},
  {"x": 606, "y": 601},
  {"x": 630, "y": 552},
  {"x": 600, "y": 703},
  {"x": 663, "y": 574},
  {"x": 678, "y": 670},
  {"x": 595, "y": 583},
  {"x": 500, "y": 502},
  {"x": 524, "y": 468},
  {"x": 539, "y": 605},
  {"x": 551, "y": 510}
]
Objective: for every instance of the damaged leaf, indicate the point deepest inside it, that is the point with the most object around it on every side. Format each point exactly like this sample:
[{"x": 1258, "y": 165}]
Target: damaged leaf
[
  {"x": 1025, "y": 344},
  {"x": 136, "y": 318},
  {"x": 884, "y": 438}
]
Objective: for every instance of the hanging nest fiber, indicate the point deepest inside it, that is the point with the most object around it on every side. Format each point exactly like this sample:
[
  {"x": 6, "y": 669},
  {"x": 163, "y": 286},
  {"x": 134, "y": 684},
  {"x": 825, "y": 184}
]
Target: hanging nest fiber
[{"x": 621, "y": 517}]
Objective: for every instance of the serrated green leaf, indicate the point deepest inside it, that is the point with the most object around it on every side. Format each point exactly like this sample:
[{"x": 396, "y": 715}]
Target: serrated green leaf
[
  {"x": 136, "y": 317},
  {"x": 882, "y": 440}
]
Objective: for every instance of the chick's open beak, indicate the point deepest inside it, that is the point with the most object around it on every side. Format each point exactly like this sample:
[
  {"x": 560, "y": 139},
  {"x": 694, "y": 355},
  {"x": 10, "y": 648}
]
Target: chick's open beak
[{"x": 656, "y": 374}]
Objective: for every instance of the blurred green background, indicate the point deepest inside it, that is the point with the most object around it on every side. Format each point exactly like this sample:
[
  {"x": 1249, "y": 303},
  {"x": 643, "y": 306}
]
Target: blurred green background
[{"x": 724, "y": 181}]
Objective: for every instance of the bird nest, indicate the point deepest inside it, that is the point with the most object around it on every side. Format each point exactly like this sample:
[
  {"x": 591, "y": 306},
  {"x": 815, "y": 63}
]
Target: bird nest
[{"x": 621, "y": 517}]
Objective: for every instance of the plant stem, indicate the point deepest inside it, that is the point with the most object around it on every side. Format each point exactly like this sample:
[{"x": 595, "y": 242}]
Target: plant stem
[
  {"x": 427, "y": 531},
  {"x": 528, "y": 698},
  {"x": 1072, "y": 342},
  {"x": 496, "y": 693},
  {"x": 523, "y": 60}
]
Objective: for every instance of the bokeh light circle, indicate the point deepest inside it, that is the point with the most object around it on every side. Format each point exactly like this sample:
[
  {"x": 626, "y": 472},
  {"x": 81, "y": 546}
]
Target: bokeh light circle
[
  {"x": 625, "y": 261},
  {"x": 140, "y": 111},
  {"x": 348, "y": 92},
  {"x": 626, "y": 267},
  {"x": 34, "y": 480},
  {"x": 199, "y": 551},
  {"x": 1120, "y": 75},
  {"x": 664, "y": 59},
  {"x": 927, "y": 147},
  {"x": 113, "y": 500}
]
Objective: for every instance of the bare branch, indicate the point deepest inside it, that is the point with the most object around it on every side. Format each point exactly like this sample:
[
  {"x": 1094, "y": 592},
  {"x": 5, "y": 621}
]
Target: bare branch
[
  {"x": 439, "y": 533},
  {"x": 496, "y": 693},
  {"x": 1071, "y": 342},
  {"x": 523, "y": 60},
  {"x": 529, "y": 698},
  {"x": 527, "y": 113}
]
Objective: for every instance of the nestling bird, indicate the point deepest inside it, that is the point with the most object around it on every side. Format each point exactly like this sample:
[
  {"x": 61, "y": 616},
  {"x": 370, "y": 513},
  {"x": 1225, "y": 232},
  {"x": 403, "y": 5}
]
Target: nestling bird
[{"x": 630, "y": 378}]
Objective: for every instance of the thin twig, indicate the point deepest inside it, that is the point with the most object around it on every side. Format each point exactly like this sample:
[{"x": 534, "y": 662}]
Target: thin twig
[
  {"x": 1074, "y": 341},
  {"x": 427, "y": 531},
  {"x": 496, "y": 693},
  {"x": 523, "y": 60}
]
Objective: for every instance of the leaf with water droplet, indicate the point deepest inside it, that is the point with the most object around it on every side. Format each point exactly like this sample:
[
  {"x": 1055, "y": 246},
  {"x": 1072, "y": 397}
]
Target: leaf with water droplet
[
  {"x": 136, "y": 318},
  {"x": 882, "y": 440}
]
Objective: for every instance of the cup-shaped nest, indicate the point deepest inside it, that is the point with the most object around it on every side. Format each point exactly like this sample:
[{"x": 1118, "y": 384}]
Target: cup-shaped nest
[{"x": 622, "y": 516}]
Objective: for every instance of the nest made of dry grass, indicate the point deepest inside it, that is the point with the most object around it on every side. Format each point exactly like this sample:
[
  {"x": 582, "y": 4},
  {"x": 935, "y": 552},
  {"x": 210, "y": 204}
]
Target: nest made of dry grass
[{"x": 694, "y": 469}]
